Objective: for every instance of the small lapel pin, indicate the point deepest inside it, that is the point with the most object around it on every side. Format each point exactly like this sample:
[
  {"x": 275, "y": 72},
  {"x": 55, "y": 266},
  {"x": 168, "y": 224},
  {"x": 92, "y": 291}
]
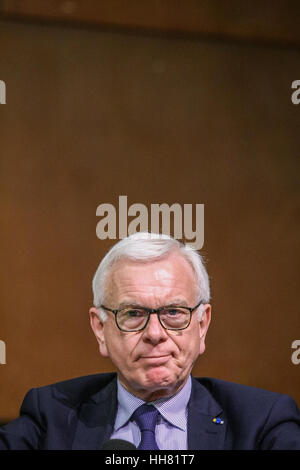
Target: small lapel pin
[{"x": 218, "y": 421}]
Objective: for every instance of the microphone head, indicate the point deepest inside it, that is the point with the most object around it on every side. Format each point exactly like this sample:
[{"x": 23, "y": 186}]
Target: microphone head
[{"x": 118, "y": 444}]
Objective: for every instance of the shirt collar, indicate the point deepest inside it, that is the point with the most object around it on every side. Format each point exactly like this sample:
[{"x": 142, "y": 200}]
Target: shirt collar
[{"x": 173, "y": 409}]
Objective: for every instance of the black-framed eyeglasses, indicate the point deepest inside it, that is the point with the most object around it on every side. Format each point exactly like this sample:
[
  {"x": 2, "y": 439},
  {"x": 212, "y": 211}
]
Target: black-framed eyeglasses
[{"x": 130, "y": 318}]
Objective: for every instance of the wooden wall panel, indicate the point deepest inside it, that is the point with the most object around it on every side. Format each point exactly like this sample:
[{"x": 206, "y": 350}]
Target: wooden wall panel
[
  {"x": 259, "y": 20},
  {"x": 93, "y": 115}
]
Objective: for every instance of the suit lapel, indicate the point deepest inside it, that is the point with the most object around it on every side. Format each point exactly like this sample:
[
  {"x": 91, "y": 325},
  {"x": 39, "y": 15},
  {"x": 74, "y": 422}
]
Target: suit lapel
[
  {"x": 96, "y": 419},
  {"x": 203, "y": 432}
]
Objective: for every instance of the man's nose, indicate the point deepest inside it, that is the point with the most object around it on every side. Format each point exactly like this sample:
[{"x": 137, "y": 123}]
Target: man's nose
[{"x": 154, "y": 331}]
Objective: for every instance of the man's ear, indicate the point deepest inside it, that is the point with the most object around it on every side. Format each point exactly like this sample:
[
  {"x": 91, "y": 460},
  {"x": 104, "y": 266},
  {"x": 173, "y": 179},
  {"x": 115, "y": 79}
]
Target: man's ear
[
  {"x": 203, "y": 325},
  {"x": 98, "y": 328}
]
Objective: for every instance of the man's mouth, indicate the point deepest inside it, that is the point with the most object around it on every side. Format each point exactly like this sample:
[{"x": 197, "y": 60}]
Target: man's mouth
[
  {"x": 157, "y": 359},
  {"x": 157, "y": 355}
]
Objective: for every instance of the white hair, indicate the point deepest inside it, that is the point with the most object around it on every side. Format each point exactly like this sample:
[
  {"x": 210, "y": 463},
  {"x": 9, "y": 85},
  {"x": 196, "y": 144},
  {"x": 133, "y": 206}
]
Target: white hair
[{"x": 146, "y": 247}]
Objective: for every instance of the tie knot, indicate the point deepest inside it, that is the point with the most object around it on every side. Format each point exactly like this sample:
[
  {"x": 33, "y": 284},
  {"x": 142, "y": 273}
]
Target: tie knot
[{"x": 146, "y": 416}]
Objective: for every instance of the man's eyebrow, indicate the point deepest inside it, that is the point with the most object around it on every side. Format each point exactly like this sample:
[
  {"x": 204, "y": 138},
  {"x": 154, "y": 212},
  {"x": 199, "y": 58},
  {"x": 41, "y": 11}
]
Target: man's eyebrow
[
  {"x": 175, "y": 303},
  {"x": 129, "y": 304}
]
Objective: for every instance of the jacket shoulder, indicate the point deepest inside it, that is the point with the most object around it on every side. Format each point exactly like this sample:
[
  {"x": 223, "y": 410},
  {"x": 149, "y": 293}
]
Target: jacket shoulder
[
  {"x": 77, "y": 389},
  {"x": 239, "y": 397}
]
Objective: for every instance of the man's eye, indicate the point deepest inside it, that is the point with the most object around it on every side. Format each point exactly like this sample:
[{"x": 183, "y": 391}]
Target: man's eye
[
  {"x": 173, "y": 312},
  {"x": 134, "y": 313}
]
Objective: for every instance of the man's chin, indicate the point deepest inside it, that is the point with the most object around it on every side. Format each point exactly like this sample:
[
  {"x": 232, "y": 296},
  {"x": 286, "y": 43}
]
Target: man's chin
[{"x": 159, "y": 378}]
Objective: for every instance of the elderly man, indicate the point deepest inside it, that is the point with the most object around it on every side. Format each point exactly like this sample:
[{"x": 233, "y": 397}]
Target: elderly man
[{"x": 151, "y": 314}]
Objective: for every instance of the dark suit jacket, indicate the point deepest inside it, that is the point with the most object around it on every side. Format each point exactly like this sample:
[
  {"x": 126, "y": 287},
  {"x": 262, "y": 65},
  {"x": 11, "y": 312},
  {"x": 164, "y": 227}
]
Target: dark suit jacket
[{"x": 80, "y": 414}]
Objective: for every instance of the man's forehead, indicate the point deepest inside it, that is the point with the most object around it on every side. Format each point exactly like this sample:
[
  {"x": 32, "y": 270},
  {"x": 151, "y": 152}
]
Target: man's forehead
[
  {"x": 162, "y": 268},
  {"x": 171, "y": 276}
]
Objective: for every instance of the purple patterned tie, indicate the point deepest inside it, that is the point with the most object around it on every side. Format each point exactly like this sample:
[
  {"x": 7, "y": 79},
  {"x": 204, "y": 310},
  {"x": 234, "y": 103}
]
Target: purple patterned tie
[{"x": 145, "y": 417}]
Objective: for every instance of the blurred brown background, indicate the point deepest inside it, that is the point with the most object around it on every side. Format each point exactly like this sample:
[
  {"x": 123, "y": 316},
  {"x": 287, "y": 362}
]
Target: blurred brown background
[{"x": 186, "y": 102}]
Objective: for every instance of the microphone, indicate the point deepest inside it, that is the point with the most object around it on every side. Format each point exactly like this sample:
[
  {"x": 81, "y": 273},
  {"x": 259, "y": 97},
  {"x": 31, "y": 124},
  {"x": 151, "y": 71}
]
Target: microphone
[{"x": 118, "y": 444}]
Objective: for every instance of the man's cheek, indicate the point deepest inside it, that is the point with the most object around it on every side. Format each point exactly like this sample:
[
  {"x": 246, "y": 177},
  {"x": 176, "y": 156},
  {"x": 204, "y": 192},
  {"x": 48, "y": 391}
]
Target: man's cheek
[{"x": 114, "y": 350}]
